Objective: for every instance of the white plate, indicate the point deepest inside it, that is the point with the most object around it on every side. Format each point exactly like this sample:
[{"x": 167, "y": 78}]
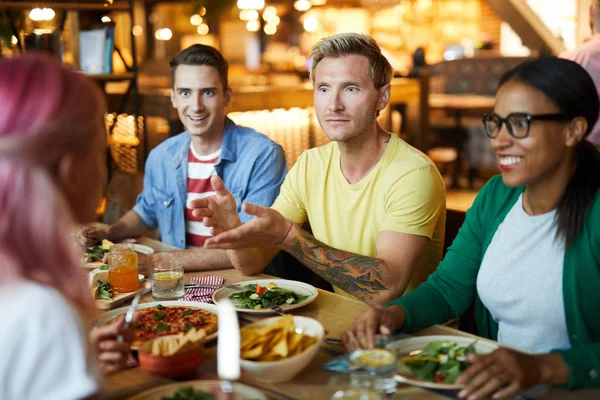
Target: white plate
[
  {"x": 298, "y": 287},
  {"x": 246, "y": 392},
  {"x": 107, "y": 316},
  {"x": 142, "y": 248},
  {"x": 93, "y": 265},
  {"x": 405, "y": 346}
]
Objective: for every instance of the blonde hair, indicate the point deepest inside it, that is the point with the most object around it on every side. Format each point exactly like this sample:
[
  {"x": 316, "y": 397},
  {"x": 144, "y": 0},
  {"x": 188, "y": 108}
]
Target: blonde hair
[{"x": 344, "y": 44}]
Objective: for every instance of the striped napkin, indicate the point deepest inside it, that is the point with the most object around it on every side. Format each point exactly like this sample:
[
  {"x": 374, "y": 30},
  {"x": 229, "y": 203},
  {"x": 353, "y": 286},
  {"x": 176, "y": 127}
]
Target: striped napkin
[{"x": 203, "y": 295}]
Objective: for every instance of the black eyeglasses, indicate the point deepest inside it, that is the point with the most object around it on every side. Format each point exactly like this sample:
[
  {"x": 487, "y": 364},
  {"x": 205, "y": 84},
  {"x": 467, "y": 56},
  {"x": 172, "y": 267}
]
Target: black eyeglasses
[{"x": 518, "y": 123}]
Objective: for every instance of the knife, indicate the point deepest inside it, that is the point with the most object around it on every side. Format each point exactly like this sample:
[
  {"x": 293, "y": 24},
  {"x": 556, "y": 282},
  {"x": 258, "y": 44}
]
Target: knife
[{"x": 228, "y": 347}]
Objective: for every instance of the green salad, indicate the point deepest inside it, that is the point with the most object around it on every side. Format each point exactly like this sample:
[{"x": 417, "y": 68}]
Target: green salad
[
  {"x": 257, "y": 297},
  {"x": 94, "y": 254},
  {"x": 189, "y": 393},
  {"x": 439, "y": 362}
]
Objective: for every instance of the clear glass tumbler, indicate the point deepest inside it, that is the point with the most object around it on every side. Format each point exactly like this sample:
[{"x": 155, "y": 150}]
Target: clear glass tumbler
[{"x": 167, "y": 280}]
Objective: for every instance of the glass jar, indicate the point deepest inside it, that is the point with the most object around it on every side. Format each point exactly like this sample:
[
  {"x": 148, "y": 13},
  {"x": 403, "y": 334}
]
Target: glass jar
[{"x": 123, "y": 268}]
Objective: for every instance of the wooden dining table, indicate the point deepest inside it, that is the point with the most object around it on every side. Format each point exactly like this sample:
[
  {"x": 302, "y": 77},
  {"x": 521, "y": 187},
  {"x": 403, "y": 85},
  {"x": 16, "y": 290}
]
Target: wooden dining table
[{"x": 336, "y": 313}]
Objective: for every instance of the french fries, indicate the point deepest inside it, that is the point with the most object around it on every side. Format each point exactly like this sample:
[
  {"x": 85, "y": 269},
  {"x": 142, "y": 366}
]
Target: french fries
[
  {"x": 177, "y": 344},
  {"x": 274, "y": 342}
]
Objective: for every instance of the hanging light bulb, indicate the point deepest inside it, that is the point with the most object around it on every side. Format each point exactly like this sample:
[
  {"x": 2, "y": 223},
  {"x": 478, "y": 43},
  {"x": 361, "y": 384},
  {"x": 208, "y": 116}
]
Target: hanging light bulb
[
  {"x": 302, "y": 5},
  {"x": 275, "y": 20},
  {"x": 253, "y": 26},
  {"x": 269, "y": 13},
  {"x": 35, "y": 14},
  {"x": 251, "y": 4},
  {"x": 163, "y": 34},
  {"x": 137, "y": 30},
  {"x": 311, "y": 24},
  {"x": 203, "y": 29},
  {"x": 270, "y": 29},
  {"x": 38, "y": 14},
  {"x": 106, "y": 19},
  {"x": 195, "y": 19},
  {"x": 48, "y": 14}
]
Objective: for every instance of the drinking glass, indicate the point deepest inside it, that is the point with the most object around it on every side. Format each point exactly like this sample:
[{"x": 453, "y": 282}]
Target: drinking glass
[
  {"x": 123, "y": 268},
  {"x": 167, "y": 282}
]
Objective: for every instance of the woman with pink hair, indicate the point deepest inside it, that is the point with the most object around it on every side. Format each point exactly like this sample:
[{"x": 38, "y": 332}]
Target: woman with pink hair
[{"x": 52, "y": 175}]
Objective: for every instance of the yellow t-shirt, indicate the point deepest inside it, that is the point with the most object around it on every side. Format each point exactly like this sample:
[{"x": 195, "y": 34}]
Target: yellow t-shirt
[{"x": 403, "y": 193}]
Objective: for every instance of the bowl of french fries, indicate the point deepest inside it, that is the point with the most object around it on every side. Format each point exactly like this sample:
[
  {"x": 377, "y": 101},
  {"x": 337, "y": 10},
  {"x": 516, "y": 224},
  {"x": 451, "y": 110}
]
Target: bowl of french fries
[
  {"x": 173, "y": 355},
  {"x": 276, "y": 349}
]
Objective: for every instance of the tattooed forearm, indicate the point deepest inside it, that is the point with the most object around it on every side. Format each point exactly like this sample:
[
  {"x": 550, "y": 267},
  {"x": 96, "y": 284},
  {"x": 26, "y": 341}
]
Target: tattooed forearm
[{"x": 358, "y": 275}]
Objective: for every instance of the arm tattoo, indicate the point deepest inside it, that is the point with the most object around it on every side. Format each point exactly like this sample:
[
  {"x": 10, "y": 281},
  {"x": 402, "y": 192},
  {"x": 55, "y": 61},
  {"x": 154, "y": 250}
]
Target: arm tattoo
[{"x": 358, "y": 275}]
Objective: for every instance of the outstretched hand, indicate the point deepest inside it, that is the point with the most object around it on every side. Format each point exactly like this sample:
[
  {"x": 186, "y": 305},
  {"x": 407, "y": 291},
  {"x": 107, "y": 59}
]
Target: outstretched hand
[
  {"x": 267, "y": 227},
  {"x": 218, "y": 212}
]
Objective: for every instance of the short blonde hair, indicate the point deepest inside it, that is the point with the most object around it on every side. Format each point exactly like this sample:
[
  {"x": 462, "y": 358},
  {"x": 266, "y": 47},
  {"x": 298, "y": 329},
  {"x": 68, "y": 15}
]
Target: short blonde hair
[{"x": 344, "y": 44}]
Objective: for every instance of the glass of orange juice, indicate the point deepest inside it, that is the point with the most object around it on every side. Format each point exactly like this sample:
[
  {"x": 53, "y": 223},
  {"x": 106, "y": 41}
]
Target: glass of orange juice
[{"x": 123, "y": 268}]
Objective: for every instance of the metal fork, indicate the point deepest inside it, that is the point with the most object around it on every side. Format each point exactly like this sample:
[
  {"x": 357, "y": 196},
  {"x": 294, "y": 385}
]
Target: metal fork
[{"x": 277, "y": 310}]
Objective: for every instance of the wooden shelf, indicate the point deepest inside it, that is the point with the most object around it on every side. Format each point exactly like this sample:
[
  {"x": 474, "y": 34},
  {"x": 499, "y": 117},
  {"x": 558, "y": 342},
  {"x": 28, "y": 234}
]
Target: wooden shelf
[
  {"x": 111, "y": 77},
  {"x": 66, "y": 5}
]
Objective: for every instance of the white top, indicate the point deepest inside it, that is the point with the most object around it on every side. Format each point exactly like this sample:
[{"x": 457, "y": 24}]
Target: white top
[
  {"x": 43, "y": 346},
  {"x": 200, "y": 170},
  {"x": 520, "y": 281}
]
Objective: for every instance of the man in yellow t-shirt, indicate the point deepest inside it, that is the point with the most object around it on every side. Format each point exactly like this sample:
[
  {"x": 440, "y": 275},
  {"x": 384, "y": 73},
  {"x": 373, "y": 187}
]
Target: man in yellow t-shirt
[{"x": 376, "y": 205}]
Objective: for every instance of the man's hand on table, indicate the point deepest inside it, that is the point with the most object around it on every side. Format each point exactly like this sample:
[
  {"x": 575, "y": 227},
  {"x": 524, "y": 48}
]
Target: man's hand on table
[
  {"x": 112, "y": 354},
  {"x": 371, "y": 323},
  {"x": 145, "y": 262},
  {"x": 89, "y": 235}
]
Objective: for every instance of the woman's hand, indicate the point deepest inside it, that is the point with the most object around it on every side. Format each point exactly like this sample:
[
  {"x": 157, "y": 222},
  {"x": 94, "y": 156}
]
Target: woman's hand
[
  {"x": 505, "y": 372},
  {"x": 112, "y": 354},
  {"x": 371, "y": 323}
]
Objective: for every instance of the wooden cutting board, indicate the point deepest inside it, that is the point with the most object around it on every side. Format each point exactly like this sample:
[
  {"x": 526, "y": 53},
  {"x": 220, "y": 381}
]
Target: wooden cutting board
[{"x": 118, "y": 298}]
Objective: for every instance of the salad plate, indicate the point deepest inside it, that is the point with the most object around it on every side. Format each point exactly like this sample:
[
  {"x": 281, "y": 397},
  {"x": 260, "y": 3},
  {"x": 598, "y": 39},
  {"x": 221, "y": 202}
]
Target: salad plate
[
  {"x": 435, "y": 362},
  {"x": 258, "y": 295},
  {"x": 189, "y": 390}
]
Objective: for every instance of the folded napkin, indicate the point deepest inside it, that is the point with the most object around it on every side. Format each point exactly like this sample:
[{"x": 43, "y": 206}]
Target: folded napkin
[{"x": 203, "y": 295}]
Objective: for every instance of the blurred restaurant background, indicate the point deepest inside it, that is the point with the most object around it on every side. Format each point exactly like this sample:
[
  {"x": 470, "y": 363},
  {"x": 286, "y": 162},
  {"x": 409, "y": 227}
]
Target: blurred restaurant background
[{"x": 447, "y": 56}]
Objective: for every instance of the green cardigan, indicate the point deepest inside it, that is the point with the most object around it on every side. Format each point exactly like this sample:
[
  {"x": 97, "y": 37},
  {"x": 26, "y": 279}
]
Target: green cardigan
[{"x": 452, "y": 287}]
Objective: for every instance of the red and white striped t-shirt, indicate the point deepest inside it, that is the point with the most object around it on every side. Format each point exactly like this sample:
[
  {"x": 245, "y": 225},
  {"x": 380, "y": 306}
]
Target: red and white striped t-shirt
[{"x": 200, "y": 169}]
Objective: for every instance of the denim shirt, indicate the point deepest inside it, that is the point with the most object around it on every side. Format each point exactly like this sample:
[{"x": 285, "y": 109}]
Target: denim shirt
[{"x": 251, "y": 165}]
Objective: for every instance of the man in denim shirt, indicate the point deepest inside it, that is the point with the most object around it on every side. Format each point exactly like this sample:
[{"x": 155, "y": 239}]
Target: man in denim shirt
[{"x": 179, "y": 169}]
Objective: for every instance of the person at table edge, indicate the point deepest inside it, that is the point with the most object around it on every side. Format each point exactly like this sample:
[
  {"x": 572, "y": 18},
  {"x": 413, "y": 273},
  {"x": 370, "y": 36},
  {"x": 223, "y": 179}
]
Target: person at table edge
[
  {"x": 528, "y": 253},
  {"x": 588, "y": 56},
  {"x": 52, "y": 139},
  {"x": 179, "y": 169},
  {"x": 376, "y": 205}
]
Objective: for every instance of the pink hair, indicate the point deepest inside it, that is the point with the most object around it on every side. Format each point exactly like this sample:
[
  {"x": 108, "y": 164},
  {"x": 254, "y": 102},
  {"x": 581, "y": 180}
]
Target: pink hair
[{"x": 46, "y": 111}]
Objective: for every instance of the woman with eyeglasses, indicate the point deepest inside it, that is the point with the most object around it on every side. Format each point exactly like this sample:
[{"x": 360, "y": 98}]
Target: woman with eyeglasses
[{"x": 528, "y": 253}]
